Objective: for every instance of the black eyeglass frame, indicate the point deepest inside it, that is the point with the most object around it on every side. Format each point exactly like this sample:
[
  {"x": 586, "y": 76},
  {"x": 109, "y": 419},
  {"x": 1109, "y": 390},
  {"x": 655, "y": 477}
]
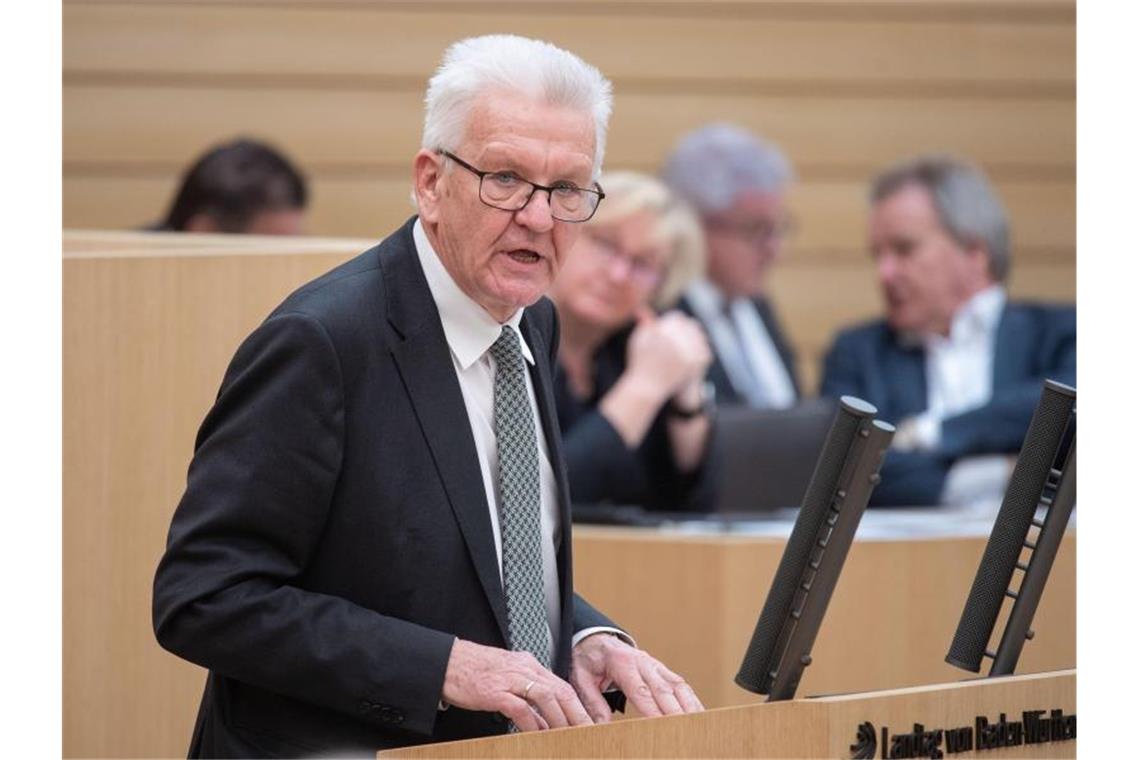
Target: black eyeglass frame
[{"x": 596, "y": 190}]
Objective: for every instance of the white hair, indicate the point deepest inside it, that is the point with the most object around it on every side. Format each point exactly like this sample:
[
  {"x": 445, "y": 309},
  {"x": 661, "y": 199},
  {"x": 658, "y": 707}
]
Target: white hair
[
  {"x": 534, "y": 68},
  {"x": 711, "y": 166}
]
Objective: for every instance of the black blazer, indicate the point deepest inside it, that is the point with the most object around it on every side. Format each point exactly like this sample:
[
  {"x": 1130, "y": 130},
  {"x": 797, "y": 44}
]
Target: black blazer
[
  {"x": 334, "y": 536},
  {"x": 726, "y": 394},
  {"x": 603, "y": 470},
  {"x": 1033, "y": 342}
]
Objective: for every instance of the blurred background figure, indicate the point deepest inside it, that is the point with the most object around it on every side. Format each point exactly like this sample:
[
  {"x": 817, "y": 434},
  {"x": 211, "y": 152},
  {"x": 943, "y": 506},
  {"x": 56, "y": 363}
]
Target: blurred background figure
[
  {"x": 630, "y": 384},
  {"x": 954, "y": 363},
  {"x": 243, "y": 186},
  {"x": 736, "y": 181}
]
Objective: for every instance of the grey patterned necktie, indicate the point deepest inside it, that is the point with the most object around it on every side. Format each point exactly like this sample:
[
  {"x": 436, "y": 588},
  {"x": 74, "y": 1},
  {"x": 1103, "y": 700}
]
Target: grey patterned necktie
[{"x": 519, "y": 502}]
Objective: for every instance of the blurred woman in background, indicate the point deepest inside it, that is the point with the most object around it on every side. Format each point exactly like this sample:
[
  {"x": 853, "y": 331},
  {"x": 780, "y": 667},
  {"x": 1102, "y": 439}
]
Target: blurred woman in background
[{"x": 630, "y": 385}]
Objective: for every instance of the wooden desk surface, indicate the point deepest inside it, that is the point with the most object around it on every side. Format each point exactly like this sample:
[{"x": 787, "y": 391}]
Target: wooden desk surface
[{"x": 810, "y": 728}]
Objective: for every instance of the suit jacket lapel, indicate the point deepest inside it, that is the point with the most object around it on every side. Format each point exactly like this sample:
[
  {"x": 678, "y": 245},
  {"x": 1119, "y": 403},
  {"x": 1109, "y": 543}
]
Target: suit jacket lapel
[
  {"x": 904, "y": 373},
  {"x": 424, "y": 363},
  {"x": 1012, "y": 352}
]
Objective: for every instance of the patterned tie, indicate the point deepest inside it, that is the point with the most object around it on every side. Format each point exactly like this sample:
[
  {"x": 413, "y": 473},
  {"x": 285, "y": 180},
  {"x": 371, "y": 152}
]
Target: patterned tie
[{"x": 519, "y": 511}]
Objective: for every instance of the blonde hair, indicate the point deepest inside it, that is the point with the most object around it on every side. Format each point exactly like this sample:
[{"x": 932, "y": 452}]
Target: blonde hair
[{"x": 677, "y": 225}]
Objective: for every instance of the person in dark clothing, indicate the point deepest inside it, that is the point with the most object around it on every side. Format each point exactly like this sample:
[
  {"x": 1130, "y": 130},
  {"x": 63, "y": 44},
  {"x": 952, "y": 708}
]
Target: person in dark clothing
[
  {"x": 630, "y": 384},
  {"x": 242, "y": 186}
]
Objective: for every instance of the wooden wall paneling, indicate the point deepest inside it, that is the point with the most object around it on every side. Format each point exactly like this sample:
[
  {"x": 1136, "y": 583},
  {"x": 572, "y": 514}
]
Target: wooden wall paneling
[
  {"x": 695, "y": 42},
  {"x": 168, "y": 126},
  {"x": 146, "y": 340},
  {"x": 840, "y": 135},
  {"x": 830, "y": 215},
  {"x": 364, "y": 207}
]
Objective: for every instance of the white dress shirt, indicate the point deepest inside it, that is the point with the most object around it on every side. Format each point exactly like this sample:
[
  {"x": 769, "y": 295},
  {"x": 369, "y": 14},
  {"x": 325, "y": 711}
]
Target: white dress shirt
[
  {"x": 744, "y": 346},
  {"x": 960, "y": 366},
  {"x": 470, "y": 333},
  {"x": 960, "y": 378}
]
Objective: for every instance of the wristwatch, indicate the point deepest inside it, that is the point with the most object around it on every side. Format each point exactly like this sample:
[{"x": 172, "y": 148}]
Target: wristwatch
[{"x": 708, "y": 403}]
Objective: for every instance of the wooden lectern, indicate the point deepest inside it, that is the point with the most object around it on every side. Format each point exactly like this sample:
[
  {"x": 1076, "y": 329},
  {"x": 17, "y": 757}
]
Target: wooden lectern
[{"x": 1016, "y": 716}]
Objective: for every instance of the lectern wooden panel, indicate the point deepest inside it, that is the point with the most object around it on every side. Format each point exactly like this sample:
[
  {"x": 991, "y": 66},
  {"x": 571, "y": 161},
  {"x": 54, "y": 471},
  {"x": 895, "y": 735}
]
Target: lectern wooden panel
[
  {"x": 826, "y": 727},
  {"x": 150, "y": 322},
  {"x": 693, "y": 602}
]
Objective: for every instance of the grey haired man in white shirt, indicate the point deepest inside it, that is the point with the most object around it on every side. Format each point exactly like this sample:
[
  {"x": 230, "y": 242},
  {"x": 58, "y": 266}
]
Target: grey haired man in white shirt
[
  {"x": 737, "y": 182},
  {"x": 954, "y": 363}
]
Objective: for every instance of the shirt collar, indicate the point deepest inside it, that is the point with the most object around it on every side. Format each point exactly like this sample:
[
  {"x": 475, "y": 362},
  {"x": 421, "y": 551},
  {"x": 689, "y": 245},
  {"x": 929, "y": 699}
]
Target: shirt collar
[
  {"x": 978, "y": 316},
  {"x": 705, "y": 298},
  {"x": 469, "y": 329}
]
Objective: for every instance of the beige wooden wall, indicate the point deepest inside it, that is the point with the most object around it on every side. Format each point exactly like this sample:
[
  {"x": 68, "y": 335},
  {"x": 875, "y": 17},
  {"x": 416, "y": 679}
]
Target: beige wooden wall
[
  {"x": 844, "y": 87},
  {"x": 150, "y": 322}
]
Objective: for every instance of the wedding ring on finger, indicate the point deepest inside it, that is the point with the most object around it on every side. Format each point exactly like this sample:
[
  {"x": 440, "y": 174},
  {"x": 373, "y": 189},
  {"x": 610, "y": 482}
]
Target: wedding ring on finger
[{"x": 526, "y": 691}]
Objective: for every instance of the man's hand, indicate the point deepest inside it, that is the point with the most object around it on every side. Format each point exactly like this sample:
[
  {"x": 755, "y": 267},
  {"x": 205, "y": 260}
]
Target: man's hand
[
  {"x": 602, "y": 659},
  {"x": 512, "y": 683}
]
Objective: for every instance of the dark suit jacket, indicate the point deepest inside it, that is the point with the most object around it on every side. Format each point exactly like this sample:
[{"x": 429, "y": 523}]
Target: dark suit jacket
[
  {"x": 604, "y": 470},
  {"x": 1034, "y": 342},
  {"x": 334, "y": 537},
  {"x": 726, "y": 394}
]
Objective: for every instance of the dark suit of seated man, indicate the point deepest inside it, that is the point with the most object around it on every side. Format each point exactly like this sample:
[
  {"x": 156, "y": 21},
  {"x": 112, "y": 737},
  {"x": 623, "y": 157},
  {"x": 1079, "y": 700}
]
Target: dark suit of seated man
[
  {"x": 955, "y": 364},
  {"x": 373, "y": 548}
]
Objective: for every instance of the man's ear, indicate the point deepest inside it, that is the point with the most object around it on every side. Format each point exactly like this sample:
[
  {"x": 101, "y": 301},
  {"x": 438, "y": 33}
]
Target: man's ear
[
  {"x": 979, "y": 258},
  {"x": 427, "y": 173}
]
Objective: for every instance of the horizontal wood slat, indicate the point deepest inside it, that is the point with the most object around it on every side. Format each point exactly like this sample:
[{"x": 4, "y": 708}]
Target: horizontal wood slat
[
  {"x": 377, "y": 40},
  {"x": 169, "y": 125},
  {"x": 830, "y": 216}
]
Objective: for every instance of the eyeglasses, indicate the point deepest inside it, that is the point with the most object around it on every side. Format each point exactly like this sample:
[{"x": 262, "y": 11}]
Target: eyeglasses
[
  {"x": 507, "y": 191},
  {"x": 759, "y": 232},
  {"x": 642, "y": 273}
]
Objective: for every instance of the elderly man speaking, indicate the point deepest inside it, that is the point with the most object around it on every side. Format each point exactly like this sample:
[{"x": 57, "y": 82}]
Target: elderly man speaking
[{"x": 373, "y": 548}]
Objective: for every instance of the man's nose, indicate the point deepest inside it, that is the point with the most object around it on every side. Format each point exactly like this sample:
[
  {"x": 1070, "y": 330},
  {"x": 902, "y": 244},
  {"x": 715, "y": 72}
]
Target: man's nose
[
  {"x": 536, "y": 214},
  {"x": 886, "y": 267}
]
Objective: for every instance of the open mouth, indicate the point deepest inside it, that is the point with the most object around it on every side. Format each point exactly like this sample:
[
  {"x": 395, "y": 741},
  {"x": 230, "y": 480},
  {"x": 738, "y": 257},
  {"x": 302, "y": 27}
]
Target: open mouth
[{"x": 524, "y": 256}]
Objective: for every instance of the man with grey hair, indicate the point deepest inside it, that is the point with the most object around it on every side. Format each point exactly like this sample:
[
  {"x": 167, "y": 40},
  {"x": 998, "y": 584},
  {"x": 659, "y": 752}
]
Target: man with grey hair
[
  {"x": 737, "y": 181},
  {"x": 373, "y": 548},
  {"x": 955, "y": 364}
]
